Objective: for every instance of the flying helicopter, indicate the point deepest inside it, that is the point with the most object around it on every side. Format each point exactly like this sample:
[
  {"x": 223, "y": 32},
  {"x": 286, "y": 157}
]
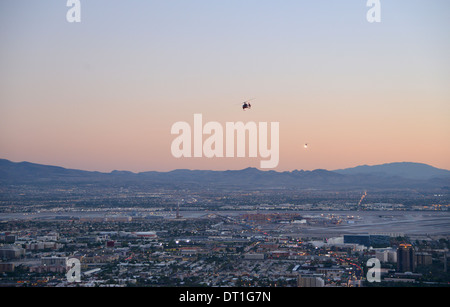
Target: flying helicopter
[{"x": 247, "y": 105}]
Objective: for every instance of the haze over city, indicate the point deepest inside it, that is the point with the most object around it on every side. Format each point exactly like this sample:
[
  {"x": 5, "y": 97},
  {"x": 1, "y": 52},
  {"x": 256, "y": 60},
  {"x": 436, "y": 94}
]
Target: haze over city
[{"x": 103, "y": 94}]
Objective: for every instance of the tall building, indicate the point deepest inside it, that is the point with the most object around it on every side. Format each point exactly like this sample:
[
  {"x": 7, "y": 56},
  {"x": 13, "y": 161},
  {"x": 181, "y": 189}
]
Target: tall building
[{"x": 406, "y": 260}]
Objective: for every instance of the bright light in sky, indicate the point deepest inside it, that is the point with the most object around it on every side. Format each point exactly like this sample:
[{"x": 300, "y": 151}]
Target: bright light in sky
[{"x": 103, "y": 94}]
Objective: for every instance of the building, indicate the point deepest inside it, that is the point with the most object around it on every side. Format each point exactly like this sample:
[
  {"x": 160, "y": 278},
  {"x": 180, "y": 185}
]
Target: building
[
  {"x": 43, "y": 245},
  {"x": 379, "y": 240},
  {"x": 254, "y": 256},
  {"x": 386, "y": 255},
  {"x": 279, "y": 254},
  {"x": 11, "y": 252},
  {"x": 423, "y": 259},
  {"x": 368, "y": 240},
  {"x": 54, "y": 261},
  {"x": 146, "y": 234},
  {"x": 51, "y": 264},
  {"x": 8, "y": 238},
  {"x": 406, "y": 260},
  {"x": 357, "y": 239},
  {"x": 309, "y": 281},
  {"x": 53, "y": 236},
  {"x": 332, "y": 273},
  {"x": 6, "y": 267}
]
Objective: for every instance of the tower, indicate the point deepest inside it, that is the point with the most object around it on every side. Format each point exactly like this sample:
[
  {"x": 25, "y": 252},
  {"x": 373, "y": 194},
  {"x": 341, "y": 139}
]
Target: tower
[
  {"x": 178, "y": 216},
  {"x": 406, "y": 258}
]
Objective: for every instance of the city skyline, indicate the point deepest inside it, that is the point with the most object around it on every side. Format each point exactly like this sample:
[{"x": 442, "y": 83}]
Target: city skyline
[{"x": 102, "y": 94}]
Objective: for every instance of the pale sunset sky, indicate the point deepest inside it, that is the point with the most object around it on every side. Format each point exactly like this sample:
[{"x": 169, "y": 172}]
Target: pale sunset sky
[{"x": 103, "y": 94}]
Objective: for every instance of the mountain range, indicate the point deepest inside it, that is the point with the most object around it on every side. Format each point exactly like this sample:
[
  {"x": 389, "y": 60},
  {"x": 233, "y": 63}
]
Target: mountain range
[
  {"x": 409, "y": 170},
  {"x": 386, "y": 176}
]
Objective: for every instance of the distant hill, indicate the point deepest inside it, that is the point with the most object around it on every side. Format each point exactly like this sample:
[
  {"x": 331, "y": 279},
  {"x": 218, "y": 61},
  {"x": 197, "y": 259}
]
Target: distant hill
[
  {"x": 387, "y": 176},
  {"x": 407, "y": 170},
  {"x": 26, "y": 171}
]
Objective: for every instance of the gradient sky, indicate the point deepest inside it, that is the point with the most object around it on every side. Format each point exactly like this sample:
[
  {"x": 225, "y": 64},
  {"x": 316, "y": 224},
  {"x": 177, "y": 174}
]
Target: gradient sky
[{"x": 103, "y": 94}]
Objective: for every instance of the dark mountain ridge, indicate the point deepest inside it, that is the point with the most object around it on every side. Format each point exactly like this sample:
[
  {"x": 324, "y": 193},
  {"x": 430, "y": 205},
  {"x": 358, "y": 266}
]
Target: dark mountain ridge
[
  {"x": 393, "y": 175},
  {"x": 409, "y": 170}
]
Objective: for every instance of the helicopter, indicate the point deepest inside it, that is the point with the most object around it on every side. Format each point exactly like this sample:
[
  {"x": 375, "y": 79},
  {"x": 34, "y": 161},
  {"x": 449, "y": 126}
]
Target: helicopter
[{"x": 246, "y": 104}]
